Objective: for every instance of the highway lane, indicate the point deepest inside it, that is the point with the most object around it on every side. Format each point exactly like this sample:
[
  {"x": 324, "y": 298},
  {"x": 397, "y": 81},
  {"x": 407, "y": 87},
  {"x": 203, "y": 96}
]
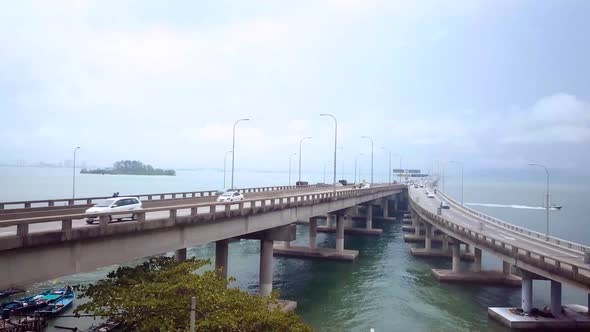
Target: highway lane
[
  {"x": 79, "y": 223},
  {"x": 495, "y": 231},
  {"x": 62, "y": 210}
]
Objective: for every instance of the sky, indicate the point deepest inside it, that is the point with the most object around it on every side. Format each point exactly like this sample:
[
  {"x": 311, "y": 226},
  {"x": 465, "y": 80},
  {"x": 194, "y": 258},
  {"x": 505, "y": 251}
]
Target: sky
[{"x": 496, "y": 84}]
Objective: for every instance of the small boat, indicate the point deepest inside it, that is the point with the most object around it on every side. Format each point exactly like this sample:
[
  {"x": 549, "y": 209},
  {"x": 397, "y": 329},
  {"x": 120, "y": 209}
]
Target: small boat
[
  {"x": 103, "y": 327},
  {"x": 57, "y": 306},
  {"x": 10, "y": 291},
  {"x": 555, "y": 207},
  {"x": 33, "y": 303}
]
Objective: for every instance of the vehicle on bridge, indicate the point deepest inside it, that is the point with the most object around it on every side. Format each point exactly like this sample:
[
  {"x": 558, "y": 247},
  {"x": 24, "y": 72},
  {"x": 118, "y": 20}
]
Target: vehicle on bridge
[
  {"x": 430, "y": 194},
  {"x": 444, "y": 205},
  {"x": 230, "y": 196},
  {"x": 117, "y": 206}
]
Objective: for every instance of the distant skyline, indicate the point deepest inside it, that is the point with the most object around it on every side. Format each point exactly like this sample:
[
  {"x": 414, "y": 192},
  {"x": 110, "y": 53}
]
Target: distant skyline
[{"x": 496, "y": 84}]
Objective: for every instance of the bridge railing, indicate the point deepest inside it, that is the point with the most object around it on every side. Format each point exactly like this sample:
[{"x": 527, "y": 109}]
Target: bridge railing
[
  {"x": 570, "y": 269},
  {"x": 207, "y": 211},
  {"x": 157, "y": 196},
  {"x": 533, "y": 234}
]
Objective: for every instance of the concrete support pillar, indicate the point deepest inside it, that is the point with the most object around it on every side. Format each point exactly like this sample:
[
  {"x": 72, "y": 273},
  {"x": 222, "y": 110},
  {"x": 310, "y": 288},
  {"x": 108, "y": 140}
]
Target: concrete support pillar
[
  {"x": 395, "y": 203},
  {"x": 221, "y": 255},
  {"x": 527, "y": 293},
  {"x": 330, "y": 220},
  {"x": 340, "y": 233},
  {"x": 467, "y": 247},
  {"x": 555, "y": 298},
  {"x": 385, "y": 206},
  {"x": 445, "y": 242},
  {"x": 266, "y": 248},
  {"x": 417, "y": 229},
  {"x": 428, "y": 237},
  {"x": 506, "y": 267},
  {"x": 456, "y": 256},
  {"x": 313, "y": 232},
  {"x": 180, "y": 255},
  {"x": 286, "y": 244},
  {"x": 369, "y": 224},
  {"x": 477, "y": 261}
]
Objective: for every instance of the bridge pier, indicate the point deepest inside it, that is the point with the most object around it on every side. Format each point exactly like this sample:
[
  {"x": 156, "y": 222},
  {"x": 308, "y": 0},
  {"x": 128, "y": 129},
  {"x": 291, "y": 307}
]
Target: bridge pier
[
  {"x": 340, "y": 233},
  {"x": 526, "y": 297},
  {"x": 428, "y": 237},
  {"x": 313, "y": 251},
  {"x": 313, "y": 231},
  {"x": 180, "y": 255},
  {"x": 456, "y": 257},
  {"x": 265, "y": 277},
  {"x": 221, "y": 257},
  {"x": 477, "y": 260},
  {"x": 369, "y": 222},
  {"x": 555, "y": 298}
]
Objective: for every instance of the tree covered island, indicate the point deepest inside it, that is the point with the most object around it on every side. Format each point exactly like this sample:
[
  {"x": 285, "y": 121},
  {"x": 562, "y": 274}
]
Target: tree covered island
[{"x": 130, "y": 167}]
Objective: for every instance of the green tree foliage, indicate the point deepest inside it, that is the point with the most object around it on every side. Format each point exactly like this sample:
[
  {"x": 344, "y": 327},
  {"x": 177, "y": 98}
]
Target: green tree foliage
[
  {"x": 156, "y": 296},
  {"x": 130, "y": 167}
]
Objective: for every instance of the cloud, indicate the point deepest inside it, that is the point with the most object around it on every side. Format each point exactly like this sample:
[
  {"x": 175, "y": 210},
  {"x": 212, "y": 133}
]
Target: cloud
[{"x": 559, "y": 118}]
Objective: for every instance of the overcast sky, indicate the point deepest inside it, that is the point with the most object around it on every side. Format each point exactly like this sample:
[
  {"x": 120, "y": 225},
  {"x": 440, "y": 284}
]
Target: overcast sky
[{"x": 495, "y": 83}]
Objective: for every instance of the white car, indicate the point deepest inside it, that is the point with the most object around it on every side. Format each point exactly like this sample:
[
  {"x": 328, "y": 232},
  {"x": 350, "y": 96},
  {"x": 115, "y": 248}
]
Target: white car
[
  {"x": 230, "y": 196},
  {"x": 444, "y": 205},
  {"x": 120, "y": 207},
  {"x": 430, "y": 194}
]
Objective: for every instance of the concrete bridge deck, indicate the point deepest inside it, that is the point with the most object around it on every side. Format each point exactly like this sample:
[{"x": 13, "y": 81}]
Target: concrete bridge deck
[{"x": 40, "y": 248}]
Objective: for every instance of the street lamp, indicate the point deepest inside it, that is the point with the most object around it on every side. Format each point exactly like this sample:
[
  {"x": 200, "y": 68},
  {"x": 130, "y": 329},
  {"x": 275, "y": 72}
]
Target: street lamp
[
  {"x": 460, "y": 163},
  {"x": 355, "y": 163},
  {"x": 301, "y": 141},
  {"x": 369, "y": 138},
  {"x": 291, "y": 155},
  {"x": 335, "y": 142},
  {"x": 389, "y": 170},
  {"x": 546, "y": 196},
  {"x": 233, "y": 150},
  {"x": 342, "y": 166},
  {"x": 74, "y": 175},
  {"x": 224, "y": 166}
]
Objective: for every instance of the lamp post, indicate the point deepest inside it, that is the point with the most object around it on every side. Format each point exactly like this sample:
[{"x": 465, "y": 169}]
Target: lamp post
[
  {"x": 335, "y": 142},
  {"x": 460, "y": 163},
  {"x": 74, "y": 174},
  {"x": 301, "y": 141},
  {"x": 389, "y": 170},
  {"x": 546, "y": 196},
  {"x": 233, "y": 151},
  {"x": 224, "y": 167},
  {"x": 341, "y": 148},
  {"x": 355, "y": 164},
  {"x": 291, "y": 155},
  {"x": 369, "y": 138}
]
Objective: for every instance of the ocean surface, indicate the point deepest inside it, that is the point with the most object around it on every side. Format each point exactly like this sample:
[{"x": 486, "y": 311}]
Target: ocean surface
[{"x": 386, "y": 288}]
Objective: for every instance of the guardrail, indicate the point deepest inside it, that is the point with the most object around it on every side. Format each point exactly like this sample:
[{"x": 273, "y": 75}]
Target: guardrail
[
  {"x": 578, "y": 272},
  {"x": 149, "y": 197},
  {"x": 209, "y": 210},
  {"x": 535, "y": 235}
]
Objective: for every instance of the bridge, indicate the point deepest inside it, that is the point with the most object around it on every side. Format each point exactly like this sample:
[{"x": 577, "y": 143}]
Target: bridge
[
  {"x": 528, "y": 254},
  {"x": 45, "y": 239}
]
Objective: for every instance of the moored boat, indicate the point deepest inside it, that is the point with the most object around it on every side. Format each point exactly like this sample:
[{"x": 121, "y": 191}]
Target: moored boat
[
  {"x": 35, "y": 302},
  {"x": 10, "y": 291},
  {"x": 58, "y": 306}
]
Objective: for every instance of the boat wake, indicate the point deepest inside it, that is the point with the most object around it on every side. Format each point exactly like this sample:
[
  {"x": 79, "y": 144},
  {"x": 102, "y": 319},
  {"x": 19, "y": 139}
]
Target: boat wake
[{"x": 510, "y": 206}]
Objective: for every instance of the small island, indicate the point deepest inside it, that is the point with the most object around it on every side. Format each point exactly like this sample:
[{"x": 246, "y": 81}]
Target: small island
[{"x": 130, "y": 167}]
